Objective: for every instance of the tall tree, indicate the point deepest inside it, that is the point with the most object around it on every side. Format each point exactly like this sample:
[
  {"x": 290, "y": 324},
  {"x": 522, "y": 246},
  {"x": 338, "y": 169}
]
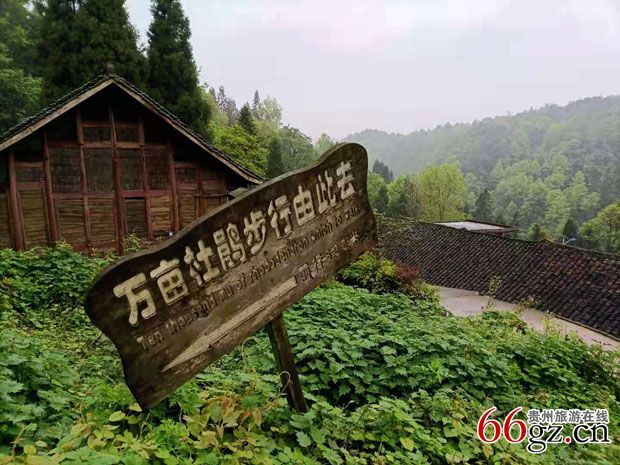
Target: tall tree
[
  {"x": 59, "y": 45},
  {"x": 383, "y": 199},
  {"x": 19, "y": 92},
  {"x": 404, "y": 197},
  {"x": 241, "y": 146},
  {"x": 19, "y": 24},
  {"x": 269, "y": 109},
  {"x": 442, "y": 191},
  {"x": 383, "y": 170},
  {"x": 297, "y": 148},
  {"x": 227, "y": 105},
  {"x": 255, "y": 101},
  {"x": 484, "y": 206},
  {"x": 374, "y": 183},
  {"x": 274, "y": 159},
  {"x": 20, "y": 89},
  {"x": 570, "y": 231},
  {"x": 246, "y": 120},
  {"x": 78, "y": 39},
  {"x": 536, "y": 233},
  {"x": 603, "y": 231},
  {"x": 323, "y": 144},
  {"x": 172, "y": 72}
]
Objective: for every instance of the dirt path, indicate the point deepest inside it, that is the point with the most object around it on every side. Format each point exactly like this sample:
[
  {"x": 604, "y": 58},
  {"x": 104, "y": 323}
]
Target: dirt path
[{"x": 465, "y": 303}]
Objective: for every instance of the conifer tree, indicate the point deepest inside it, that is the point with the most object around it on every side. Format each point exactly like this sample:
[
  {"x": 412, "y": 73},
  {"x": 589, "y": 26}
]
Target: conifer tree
[
  {"x": 59, "y": 45},
  {"x": 570, "y": 230},
  {"x": 536, "y": 233},
  {"x": 172, "y": 72},
  {"x": 246, "y": 120},
  {"x": 484, "y": 207},
  {"x": 78, "y": 39},
  {"x": 383, "y": 200},
  {"x": 109, "y": 38},
  {"x": 256, "y": 101},
  {"x": 383, "y": 170},
  {"x": 275, "y": 167}
]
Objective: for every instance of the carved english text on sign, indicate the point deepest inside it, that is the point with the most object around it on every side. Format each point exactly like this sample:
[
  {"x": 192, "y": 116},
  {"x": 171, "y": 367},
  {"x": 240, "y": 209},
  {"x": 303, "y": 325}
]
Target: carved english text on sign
[{"x": 176, "y": 308}]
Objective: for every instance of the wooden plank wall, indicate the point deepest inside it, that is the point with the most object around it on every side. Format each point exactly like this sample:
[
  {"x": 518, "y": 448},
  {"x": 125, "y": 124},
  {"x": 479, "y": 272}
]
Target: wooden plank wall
[
  {"x": 105, "y": 183},
  {"x": 5, "y": 227}
]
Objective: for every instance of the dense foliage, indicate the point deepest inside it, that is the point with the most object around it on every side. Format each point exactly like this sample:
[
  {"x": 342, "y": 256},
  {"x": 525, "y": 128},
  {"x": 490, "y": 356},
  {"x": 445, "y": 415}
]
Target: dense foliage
[
  {"x": 546, "y": 167},
  {"x": 50, "y": 47},
  {"x": 390, "y": 380},
  {"x": 169, "y": 49},
  {"x": 78, "y": 39}
]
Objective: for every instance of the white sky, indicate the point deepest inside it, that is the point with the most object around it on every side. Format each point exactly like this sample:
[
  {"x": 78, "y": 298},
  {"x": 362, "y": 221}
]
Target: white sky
[{"x": 343, "y": 66}]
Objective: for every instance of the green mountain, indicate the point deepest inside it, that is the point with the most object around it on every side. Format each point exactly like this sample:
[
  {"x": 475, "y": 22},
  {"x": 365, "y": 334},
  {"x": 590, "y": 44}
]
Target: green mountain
[{"x": 583, "y": 136}]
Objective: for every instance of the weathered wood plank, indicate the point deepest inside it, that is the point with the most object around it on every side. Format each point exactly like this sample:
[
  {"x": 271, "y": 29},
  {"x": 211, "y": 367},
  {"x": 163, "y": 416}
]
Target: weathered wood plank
[
  {"x": 118, "y": 199},
  {"x": 14, "y": 211},
  {"x": 174, "y": 309},
  {"x": 49, "y": 195}
]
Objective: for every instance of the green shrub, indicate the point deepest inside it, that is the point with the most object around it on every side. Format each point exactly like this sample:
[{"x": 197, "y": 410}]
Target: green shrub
[
  {"x": 42, "y": 283},
  {"x": 35, "y": 388},
  {"x": 390, "y": 380},
  {"x": 373, "y": 273}
]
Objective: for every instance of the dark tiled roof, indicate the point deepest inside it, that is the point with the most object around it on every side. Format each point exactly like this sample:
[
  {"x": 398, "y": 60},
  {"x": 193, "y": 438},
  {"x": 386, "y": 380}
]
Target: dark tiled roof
[
  {"x": 131, "y": 88},
  {"x": 579, "y": 285}
]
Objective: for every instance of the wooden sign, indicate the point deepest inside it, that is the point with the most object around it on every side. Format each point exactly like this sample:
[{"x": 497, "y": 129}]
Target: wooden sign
[{"x": 174, "y": 309}]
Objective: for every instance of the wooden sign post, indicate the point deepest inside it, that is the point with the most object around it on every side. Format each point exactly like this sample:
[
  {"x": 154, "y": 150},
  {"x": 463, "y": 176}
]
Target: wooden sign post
[{"x": 176, "y": 308}]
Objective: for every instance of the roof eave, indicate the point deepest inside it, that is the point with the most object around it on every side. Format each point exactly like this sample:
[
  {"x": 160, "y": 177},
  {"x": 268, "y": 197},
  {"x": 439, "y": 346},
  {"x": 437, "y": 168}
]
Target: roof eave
[
  {"x": 146, "y": 101},
  {"x": 55, "y": 114}
]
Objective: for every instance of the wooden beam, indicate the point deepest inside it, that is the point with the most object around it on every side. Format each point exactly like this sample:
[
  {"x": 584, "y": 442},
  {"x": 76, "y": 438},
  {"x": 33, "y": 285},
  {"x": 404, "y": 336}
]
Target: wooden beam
[
  {"x": 49, "y": 194},
  {"x": 118, "y": 196},
  {"x": 83, "y": 185},
  {"x": 173, "y": 190},
  {"x": 14, "y": 211},
  {"x": 145, "y": 181},
  {"x": 285, "y": 364}
]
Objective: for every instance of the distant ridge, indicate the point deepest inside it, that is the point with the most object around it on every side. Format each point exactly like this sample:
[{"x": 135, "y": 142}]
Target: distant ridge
[{"x": 591, "y": 124}]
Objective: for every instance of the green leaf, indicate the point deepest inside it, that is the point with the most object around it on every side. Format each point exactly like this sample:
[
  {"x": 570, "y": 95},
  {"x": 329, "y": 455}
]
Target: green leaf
[
  {"x": 116, "y": 416},
  {"x": 407, "y": 443},
  {"x": 318, "y": 436},
  {"x": 303, "y": 439}
]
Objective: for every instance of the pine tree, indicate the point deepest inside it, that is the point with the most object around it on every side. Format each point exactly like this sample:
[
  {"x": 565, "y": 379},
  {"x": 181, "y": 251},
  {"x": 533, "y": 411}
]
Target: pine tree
[
  {"x": 484, "y": 207},
  {"x": 275, "y": 167},
  {"x": 246, "y": 120},
  {"x": 383, "y": 200},
  {"x": 172, "y": 72},
  {"x": 383, "y": 170},
  {"x": 570, "y": 230},
  {"x": 255, "y": 102},
  {"x": 536, "y": 233},
  {"x": 79, "y": 39},
  {"x": 59, "y": 46},
  {"x": 109, "y": 38},
  {"x": 227, "y": 105}
]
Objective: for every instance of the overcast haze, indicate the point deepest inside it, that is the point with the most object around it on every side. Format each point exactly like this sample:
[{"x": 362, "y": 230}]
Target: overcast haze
[{"x": 340, "y": 67}]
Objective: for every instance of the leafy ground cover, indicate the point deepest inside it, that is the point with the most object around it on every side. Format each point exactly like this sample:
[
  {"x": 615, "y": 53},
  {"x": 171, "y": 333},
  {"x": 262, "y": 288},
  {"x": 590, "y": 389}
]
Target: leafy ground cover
[{"x": 391, "y": 380}]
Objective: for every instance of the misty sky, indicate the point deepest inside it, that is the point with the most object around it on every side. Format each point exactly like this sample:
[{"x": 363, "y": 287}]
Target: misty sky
[{"x": 343, "y": 66}]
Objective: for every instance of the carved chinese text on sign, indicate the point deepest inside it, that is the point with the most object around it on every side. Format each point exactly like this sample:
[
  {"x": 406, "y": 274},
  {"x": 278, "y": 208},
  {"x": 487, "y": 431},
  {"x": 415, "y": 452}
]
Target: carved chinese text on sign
[{"x": 174, "y": 309}]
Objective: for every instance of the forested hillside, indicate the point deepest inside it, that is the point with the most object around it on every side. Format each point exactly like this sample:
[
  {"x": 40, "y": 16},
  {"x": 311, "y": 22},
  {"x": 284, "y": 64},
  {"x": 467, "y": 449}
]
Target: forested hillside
[{"x": 541, "y": 169}]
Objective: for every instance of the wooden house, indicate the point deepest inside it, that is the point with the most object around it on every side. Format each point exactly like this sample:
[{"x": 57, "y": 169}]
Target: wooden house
[{"x": 104, "y": 161}]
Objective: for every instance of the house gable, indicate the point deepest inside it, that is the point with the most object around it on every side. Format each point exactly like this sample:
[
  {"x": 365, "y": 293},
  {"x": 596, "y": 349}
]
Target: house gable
[{"x": 103, "y": 162}]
